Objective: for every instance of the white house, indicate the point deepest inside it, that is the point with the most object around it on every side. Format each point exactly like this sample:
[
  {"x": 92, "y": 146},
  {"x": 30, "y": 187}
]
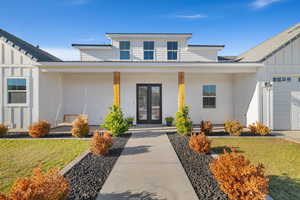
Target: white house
[{"x": 149, "y": 74}]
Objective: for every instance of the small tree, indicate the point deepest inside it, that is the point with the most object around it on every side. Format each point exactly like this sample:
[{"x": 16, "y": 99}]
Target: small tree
[
  {"x": 183, "y": 121},
  {"x": 115, "y": 121}
]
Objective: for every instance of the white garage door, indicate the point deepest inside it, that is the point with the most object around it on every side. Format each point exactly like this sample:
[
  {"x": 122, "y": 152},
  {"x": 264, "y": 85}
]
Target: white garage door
[
  {"x": 286, "y": 103},
  {"x": 295, "y": 108}
]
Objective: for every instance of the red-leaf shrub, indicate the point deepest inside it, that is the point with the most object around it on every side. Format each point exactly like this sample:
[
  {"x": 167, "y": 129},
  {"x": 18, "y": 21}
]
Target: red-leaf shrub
[
  {"x": 199, "y": 143},
  {"x": 3, "y": 130},
  {"x": 40, "y": 186},
  {"x": 259, "y": 128},
  {"x": 206, "y": 127},
  {"x": 39, "y": 129},
  {"x": 234, "y": 128},
  {"x": 101, "y": 143},
  {"x": 80, "y": 126},
  {"x": 238, "y": 178}
]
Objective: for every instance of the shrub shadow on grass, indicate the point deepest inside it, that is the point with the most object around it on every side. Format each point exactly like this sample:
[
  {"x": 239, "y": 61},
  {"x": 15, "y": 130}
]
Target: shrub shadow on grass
[
  {"x": 220, "y": 149},
  {"x": 128, "y": 195},
  {"x": 284, "y": 188}
]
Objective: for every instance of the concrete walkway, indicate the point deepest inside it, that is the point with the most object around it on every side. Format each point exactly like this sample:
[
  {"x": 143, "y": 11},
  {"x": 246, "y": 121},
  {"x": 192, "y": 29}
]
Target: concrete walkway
[{"x": 148, "y": 169}]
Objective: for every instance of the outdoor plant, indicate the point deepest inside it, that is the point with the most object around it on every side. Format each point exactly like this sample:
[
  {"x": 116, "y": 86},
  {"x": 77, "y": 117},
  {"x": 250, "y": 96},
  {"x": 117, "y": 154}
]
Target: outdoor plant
[
  {"x": 169, "y": 120},
  {"x": 234, "y": 128},
  {"x": 115, "y": 121},
  {"x": 39, "y": 129},
  {"x": 200, "y": 143},
  {"x": 238, "y": 178},
  {"x": 80, "y": 126},
  {"x": 40, "y": 186},
  {"x": 101, "y": 143},
  {"x": 3, "y": 130},
  {"x": 130, "y": 120},
  {"x": 206, "y": 127},
  {"x": 259, "y": 128},
  {"x": 183, "y": 121}
]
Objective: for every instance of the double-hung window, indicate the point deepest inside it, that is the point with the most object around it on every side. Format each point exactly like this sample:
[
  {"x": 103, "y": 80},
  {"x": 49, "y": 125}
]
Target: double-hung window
[
  {"x": 148, "y": 50},
  {"x": 172, "y": 47},
  {"x": 124, "y": 50},
  {"x": 209, "y": 96},
  {"x": 16, "y": 91}
]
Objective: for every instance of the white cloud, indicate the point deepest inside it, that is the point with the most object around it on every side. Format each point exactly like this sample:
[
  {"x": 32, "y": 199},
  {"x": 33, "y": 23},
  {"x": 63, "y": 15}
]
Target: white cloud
[
  {"x": 196, "y": 16},
  {"x": 66, "y": 54},
  {"x": 257, "y": 4}
]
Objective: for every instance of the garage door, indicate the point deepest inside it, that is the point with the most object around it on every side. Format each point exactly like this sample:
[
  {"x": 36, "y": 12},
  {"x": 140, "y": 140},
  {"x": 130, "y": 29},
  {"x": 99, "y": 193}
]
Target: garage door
[
  {"x": 295, "y": 110},
  {"x": 286, "y": 103}
]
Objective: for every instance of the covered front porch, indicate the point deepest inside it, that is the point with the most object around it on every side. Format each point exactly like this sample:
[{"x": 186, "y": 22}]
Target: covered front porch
[{"x": 148, "y": 92}]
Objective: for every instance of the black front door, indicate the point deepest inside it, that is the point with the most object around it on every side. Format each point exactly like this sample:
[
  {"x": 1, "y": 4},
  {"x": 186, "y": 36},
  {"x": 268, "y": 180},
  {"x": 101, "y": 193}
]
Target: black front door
[{"x": 149, "y": 103}]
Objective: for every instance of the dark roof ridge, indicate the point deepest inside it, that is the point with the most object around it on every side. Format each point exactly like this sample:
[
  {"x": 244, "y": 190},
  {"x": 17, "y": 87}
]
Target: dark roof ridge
[{"x": 30, "y": 50}]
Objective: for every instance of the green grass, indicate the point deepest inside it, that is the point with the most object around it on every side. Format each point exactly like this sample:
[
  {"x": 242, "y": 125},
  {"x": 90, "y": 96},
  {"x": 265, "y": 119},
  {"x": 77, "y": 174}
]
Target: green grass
[
  {"x": 19, "y": 157},
  {"x": 280, "y": 158}
]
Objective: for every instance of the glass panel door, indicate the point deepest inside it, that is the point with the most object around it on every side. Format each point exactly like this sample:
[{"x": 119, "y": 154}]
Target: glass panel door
[
  {"x": 149, "y": 104},
  {"x": 142, "y": 105},
  {"x": 155, "y": 103}
]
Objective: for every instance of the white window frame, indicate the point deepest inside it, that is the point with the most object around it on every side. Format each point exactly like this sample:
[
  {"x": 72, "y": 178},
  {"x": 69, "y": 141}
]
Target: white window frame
[
  {"x": 177, "y": 51},
  {"x": 209, "y": 96},
  {"x": 7, "y": 104},
  {"x": 129, "y": 50},
  {"x": 147, "y": 50}
]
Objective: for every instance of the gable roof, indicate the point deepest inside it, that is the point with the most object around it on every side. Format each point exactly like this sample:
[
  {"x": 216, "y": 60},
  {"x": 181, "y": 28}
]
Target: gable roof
[
  {"x": 33, "y": 52},
  {"x": 267, "y": 48}
]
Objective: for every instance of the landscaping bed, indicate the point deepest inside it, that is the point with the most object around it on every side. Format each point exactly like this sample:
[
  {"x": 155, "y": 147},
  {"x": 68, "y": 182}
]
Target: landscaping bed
[
  {"x": 88, "y": 176},
  {"x": 280, "y": 158},
  {"x": 19, "y": 157},
  {"x": 197, "y": 169}
]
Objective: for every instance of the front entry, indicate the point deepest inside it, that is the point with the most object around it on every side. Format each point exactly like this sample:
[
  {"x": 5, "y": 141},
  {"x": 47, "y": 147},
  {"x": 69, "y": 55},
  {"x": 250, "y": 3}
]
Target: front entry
[{"x": 149, "y": 103}]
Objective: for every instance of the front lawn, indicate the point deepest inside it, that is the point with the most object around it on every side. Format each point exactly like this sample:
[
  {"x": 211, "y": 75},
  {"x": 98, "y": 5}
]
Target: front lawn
[
  {"x": 280, "y": 158},
  {"x": 19, "y": 157}
]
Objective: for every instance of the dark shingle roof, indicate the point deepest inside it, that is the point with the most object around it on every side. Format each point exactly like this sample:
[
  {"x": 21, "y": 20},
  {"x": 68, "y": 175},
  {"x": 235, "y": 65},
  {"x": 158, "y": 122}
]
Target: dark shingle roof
[
  {"x": 92, "y": 45},
  {"x": 36, "y": 53},
  {"x": 227, "y": 58}
]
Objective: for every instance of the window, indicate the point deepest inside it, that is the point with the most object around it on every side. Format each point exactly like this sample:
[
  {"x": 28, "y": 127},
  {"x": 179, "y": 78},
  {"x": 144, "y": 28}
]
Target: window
[
  {"x": 148, "y": 50},
  {"x": 16, "y": 91},
  {"x": 282, "y": 79},
  {"x": 172, "y": 50},
  {"x": 209, "y": 96},
  {"x": 124, "y": 50}
]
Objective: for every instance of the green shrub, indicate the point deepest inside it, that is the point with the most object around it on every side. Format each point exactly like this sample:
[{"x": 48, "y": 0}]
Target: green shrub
[
  {"x": 183, "y": 121},
  {"x": 130, "y": 120},
  {"x": 115, "y": 122},
  {"x": 169, "y": 121}
]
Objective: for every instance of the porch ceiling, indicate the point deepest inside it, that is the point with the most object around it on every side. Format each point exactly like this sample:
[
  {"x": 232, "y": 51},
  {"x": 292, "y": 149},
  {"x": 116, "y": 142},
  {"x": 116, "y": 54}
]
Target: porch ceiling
[{"x": 213, "y": 67}]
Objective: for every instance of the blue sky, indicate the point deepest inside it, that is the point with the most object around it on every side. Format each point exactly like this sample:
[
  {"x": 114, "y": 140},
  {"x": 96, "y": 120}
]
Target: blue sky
[{"x": 56, "y": 24}]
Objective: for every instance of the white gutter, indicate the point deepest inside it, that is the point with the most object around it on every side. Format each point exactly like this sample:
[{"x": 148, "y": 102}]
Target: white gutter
[
  {"x": 149, "y": 67},
  {"x": 147, "y": 64}
]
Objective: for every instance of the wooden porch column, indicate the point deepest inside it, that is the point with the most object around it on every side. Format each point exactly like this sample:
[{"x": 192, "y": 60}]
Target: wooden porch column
[
  {"x": 181, "y": 90},
  {"x": 116, "y": 87}
]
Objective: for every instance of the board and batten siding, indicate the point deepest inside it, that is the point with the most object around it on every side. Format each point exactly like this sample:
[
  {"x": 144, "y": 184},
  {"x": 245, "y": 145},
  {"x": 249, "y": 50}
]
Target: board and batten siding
[
  {"x": 13, "y": 63},
  {"x": 185, "y": 53},
  {"x": 277, "y": 102}
]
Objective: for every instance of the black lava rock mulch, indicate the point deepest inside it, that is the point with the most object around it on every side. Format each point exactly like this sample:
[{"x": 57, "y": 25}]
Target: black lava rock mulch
[
  {"x": 88, "y": 176},
  {"x": 197, "y": 169}
]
